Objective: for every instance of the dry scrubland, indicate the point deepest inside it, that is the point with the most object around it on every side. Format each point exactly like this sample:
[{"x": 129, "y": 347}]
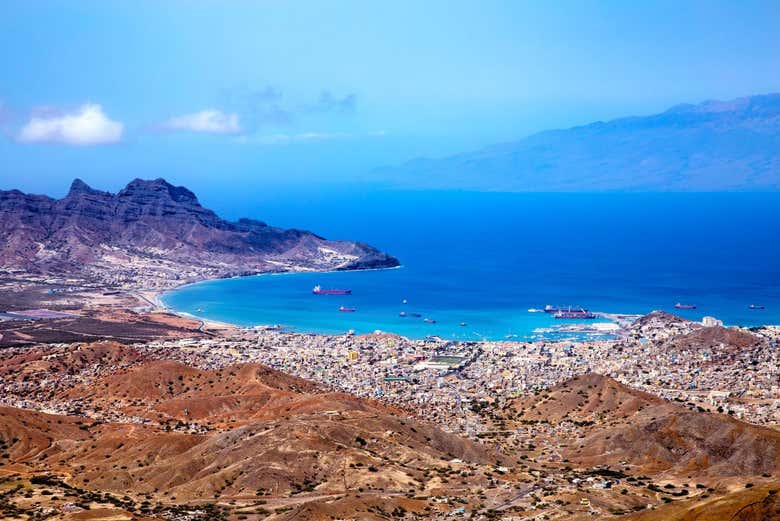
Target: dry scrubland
[{"x": 106, "y": 430}]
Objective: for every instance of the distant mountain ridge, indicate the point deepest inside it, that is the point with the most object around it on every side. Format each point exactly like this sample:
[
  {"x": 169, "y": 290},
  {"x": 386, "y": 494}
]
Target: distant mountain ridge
[
  {"x": 712, "y": 146},
  {"x": 154, "y": 233}
]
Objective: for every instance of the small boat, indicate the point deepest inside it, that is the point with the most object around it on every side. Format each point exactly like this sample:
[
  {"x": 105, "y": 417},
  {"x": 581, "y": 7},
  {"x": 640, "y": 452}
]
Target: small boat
[
  {"x": 534, "y": 310},
  {"x": 402, "y": 314},
  {"x": 404, "y": 301},
  {"x": 550, "y": 309},
  {"x": 415, "y": 315},
  {"x": 685, "y": 306},
  {"x": 756, "y": 306},
  {"x": 429, "y": 320},
  {"x": 463, "y": 324},
  {"x": 347, "y": 310},
  {"x": 318, "y": 290}
]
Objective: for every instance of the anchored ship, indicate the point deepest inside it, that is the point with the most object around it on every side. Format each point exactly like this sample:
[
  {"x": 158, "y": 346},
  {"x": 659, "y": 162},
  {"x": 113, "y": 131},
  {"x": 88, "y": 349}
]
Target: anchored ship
[
  {"x": 347, "y": 310},
  {"x": 318, "y": 290},
  {"x": 685, "y": 306},
  {"x": 756, "y": 306},
  {"x": 580, "y": 313}
]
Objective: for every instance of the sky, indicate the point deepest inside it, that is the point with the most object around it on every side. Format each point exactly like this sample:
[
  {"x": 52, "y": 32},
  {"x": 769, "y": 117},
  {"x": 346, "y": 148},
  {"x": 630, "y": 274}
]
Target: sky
[{"x": 274, "y": 97}]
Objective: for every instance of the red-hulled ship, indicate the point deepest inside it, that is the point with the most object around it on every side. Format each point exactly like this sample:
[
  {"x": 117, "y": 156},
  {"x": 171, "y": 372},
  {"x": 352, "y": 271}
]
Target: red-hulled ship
[{"x": 318, "y": 290}]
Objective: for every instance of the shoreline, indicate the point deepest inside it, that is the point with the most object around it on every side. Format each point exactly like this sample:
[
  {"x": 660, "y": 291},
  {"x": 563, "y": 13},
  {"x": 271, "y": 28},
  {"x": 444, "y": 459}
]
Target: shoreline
[
  {"x": 155, "y": 298},
  {"x": 157, "y": 294},
  {"x": 615, "y": 326}
]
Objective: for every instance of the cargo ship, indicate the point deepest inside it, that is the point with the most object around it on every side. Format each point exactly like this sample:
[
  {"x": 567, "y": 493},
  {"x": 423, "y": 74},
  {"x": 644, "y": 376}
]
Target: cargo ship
[
  {"x": 756, "y": 306},
  {"x": 347, "y": 310},
  {"x": 579, "y": 313},
  {"x": 318, "y": 290},
  {"x": 550, "y": 309},
  {"x": 685, "y": 306}
]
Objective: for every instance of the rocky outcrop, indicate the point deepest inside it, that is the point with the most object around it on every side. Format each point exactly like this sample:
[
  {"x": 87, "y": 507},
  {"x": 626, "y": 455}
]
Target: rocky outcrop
[{"x": 152, "y": 231}]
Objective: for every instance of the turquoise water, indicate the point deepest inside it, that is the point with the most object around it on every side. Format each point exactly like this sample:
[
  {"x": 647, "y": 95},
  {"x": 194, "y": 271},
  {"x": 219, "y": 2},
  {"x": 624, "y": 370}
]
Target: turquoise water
[
  {"x": 377, "y": 296},
  {"x": 485, "y": 259}
]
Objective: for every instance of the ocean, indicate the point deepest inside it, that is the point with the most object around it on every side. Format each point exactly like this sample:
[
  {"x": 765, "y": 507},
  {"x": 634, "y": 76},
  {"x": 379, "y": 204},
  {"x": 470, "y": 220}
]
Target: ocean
[{"x": 484, "y": 259}]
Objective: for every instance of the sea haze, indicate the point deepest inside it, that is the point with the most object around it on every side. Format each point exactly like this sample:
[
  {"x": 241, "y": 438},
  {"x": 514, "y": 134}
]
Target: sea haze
[{"x": 486, "y": 258}]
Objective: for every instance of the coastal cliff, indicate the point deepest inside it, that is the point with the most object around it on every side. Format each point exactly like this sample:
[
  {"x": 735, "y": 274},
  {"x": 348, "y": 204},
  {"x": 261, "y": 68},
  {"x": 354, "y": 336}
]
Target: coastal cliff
[{"x": 154, "y": 234}]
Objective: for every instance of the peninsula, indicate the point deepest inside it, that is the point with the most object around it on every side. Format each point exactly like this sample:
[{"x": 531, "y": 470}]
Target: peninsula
[{"x": 154, "y": 234}]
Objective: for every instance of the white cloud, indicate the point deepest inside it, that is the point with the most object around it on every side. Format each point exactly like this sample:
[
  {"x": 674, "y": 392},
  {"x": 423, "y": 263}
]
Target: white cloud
[
  {"x": 88, "y": 125},
  {"x": 210, "y": 121}
]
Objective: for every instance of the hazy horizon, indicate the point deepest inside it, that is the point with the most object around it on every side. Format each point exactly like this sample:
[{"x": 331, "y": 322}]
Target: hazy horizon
[{"x": 282, "y": 97}]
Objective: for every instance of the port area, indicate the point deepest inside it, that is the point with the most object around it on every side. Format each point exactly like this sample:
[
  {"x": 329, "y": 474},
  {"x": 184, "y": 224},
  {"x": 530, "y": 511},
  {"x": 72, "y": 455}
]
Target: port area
[{"x": 605, "y": 326}]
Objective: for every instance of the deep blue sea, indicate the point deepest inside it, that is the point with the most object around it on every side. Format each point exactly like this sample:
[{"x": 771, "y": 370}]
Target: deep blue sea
[{"x": 484, "y": 259}]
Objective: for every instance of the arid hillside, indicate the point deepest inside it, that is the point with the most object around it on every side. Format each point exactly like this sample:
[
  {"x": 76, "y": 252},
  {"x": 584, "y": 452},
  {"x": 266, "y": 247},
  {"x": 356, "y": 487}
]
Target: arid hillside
[
  {"x": 137, "y": 436},
  {"x": 620, "y": 424}
]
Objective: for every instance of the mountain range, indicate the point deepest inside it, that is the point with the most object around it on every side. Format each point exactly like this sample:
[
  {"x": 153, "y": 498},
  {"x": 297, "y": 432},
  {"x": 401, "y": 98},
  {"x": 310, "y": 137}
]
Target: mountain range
[
  {"x": 712, "y": 146},
  {"x": 156, "y": 234}
]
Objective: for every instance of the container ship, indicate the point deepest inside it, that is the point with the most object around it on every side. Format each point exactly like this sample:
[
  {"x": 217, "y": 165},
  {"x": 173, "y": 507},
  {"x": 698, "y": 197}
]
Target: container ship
[
  {"x": 318, "y": 290},
  {"x": 579, "y": 313},
  {"x": 685, "y": 306}
]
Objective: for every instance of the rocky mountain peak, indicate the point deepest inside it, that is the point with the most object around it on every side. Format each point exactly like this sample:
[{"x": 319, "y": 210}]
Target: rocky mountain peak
[
  {"x": 157, "y": 189},
  {"x": 80, "y": 187}
]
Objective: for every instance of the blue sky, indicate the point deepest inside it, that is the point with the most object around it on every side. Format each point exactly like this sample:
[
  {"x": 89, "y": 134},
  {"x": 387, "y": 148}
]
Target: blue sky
[{"x": 278, "y": 95}]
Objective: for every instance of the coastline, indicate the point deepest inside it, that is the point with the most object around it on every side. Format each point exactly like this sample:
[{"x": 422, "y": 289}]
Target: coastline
[
  {"x": 615, "y": 324},
  {"x": 155, "y": 297},
  {"x": 609, "y": 326}
]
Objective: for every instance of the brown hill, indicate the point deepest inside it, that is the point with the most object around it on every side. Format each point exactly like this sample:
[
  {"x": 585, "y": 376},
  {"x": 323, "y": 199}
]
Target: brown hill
[
  {"x": 759, "y": 503},
  {"x": 155, "y": 229},
  {"x": 242, "y": 431},
  {"x": 586, "y": 397},
  {"x": 659, "y": 319},
  {"x": 655, "y": 435},
  {"x": 716, "y": 337},
  {"x": 26, "y": 435},
  {"x": 167, "y": 390},
  {"x": 317, "y": 452},
  {"x": 72, "y": 360}
]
